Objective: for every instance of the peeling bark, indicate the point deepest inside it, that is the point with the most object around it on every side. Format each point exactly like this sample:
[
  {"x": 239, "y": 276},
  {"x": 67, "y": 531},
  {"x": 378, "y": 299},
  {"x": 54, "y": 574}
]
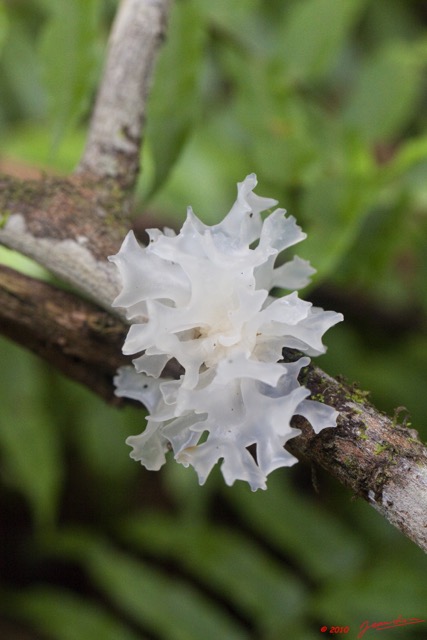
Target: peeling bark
[
  {"x": 68, "y": 225},
  {"x": 115, "y": 135}
]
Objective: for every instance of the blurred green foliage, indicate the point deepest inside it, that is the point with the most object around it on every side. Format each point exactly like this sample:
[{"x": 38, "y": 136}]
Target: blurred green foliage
[{"x": 325, "y": 101}]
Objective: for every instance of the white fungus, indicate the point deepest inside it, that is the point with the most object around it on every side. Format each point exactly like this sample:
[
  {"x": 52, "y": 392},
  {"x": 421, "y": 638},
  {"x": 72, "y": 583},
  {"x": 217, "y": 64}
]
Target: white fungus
[{"x": 202, "y": 297}]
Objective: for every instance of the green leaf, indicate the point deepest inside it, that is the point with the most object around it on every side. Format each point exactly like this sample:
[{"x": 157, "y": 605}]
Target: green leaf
[
  {"x": 175, "y": 98},
  {"x": 31, "y": 459},
  {"x": 239, "y": 19},
  {"x": 22, "y": 94},
  {"x": 266, "y": 122},
  {"x": 30, "y": 143},
  {"x": 69, "y": 52},
  {"x": 386, "y": 93},
  {"x": 4, "y": 25},
  {"x": 336, "y": 200},
  {"x": 382, "y": 592},
  {"x": 408, "y": 155},
  {"x": 230, "y": 563},
  {"x": 164, "y": 605},
  {"x": 98, "y": 434},
  {"x": 65, "y": 616},
  {"x": 314, "y": 35},
  {"x": 296, "y": 526},
  {"x": 381, "y": 238},
  {"x": 335, "y": 209}
]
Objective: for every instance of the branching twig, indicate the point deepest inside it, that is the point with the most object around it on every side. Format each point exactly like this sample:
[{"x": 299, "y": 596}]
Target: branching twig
[
  {"x": 71, "y": 225},
  {"x": 66, "y": 225},
  {"x": 114, "y": 140}
]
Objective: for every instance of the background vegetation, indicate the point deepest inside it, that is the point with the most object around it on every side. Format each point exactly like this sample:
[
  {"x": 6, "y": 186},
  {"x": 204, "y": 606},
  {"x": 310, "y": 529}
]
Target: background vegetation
[{"x": 326, "y": 101}]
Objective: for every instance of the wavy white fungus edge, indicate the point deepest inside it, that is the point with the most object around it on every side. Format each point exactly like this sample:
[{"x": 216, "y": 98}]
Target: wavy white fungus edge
[{"x": 202, "y": 297}]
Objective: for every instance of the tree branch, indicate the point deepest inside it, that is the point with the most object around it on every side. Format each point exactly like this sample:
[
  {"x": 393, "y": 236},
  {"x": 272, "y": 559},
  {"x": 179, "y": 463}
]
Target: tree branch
[
  {"x": 379, "y": 460},
  {"x": 115, "y": 134},
  {"x": 69, "y": 226},
  {"x": 79, "y": 339}
]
